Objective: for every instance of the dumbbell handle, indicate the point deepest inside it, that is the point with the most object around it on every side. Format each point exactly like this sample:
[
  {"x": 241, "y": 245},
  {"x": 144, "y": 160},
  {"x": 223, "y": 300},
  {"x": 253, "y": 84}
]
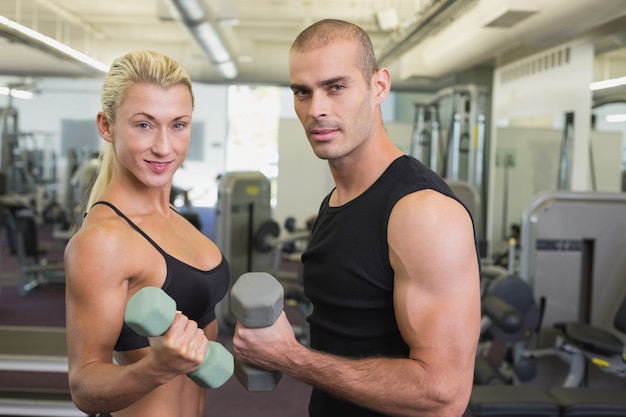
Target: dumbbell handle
[{"x": 150, "y": 312}]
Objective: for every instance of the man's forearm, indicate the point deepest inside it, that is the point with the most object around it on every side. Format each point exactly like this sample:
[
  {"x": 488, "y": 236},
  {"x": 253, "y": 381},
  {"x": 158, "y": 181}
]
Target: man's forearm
[{"x": 392, "y": 386}]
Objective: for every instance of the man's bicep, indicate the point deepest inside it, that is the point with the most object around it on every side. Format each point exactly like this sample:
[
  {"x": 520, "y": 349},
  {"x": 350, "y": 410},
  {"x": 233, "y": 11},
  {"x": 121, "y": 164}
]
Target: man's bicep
[{"x": 437, "y": 295}]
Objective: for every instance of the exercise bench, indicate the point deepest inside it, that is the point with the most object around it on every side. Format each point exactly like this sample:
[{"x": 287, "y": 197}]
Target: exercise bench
[
  {"x": 34, "y": 349},
  {"x": 534, "y": 401}
]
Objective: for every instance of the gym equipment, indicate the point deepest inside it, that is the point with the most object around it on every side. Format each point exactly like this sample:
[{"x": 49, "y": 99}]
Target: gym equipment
[
  {"x": 489, "y": 273},
  {"x": 590, "y": 402},
  {"x": 150, "y": 312},
  {"x": 510, "y": 317},
  {"x": 8, "y": 142},
  {"x": 34, "y": 349},
  {"x": 23, "y": 241},
  {"x": 535, "y": 401},
  {"x": 285, "y": 250},
  {"x": 256, "y": 301},
  {"x": 565, "y": 156},
  {"x": 600, "y": 347},
  {"x": 512, "y": 401},
  {"x": 496, "y": 313},
  {"x": 518, "y": 295},
  {"x": 266, "y": 235},
  {"x": 469, "y": 196},
  {"x": 252, "y": 241},
  {"x": 243, "y": 205},
  {"x": 41, "y": 403},
  {"x": 500, "y": 315},
  {"x": 27, "y": 160},
  {"x": 461, "y": 156},
  {"x": 573, "y": 253},
  {"x": 579, "y": 344}
]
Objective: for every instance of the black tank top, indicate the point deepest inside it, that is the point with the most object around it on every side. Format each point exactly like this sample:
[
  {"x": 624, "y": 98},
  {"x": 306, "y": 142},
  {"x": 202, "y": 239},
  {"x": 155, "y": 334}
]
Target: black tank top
[
  {"x": 196, "y": 292},
  {"x": 348, "y": 276}
]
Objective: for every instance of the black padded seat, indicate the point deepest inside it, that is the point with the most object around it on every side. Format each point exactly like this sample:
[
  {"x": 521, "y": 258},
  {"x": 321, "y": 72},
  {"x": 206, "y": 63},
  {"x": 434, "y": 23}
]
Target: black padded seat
[
  {"x": 596, "y": 339},
  {"x": 590, "y": 402},
  {"x": 512, "y": 401},
  {"x": 592, "y": 338}
]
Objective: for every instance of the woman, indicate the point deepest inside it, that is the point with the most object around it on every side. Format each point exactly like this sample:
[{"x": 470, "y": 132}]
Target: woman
[{"x": 131, "y": 238}]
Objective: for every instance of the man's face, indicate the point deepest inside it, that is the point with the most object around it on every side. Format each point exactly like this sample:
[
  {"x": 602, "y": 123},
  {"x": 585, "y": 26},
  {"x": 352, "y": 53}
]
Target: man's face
[{"x": 332, "y": 99}]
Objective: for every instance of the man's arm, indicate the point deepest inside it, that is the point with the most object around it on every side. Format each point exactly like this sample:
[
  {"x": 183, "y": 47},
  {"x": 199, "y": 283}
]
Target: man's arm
[{"x": 437, "y": 304}]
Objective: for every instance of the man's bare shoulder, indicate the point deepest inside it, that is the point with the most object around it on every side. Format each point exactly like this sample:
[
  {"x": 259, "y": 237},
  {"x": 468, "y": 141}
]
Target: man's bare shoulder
[{"x": 431, "y": 205}]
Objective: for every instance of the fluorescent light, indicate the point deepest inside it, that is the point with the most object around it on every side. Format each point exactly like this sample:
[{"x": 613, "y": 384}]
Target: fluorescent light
[
  {"x": 23, "y": 94},
  {"x": 199, "y": 22},
  {"x": 228, "y": 69},
  {"x": 190, "y": 10},
  {"x": 211, "y": 42},
  {"x": 614, "y": 82},
  {"x": 616, "y": 118},
  {"x": 56, "y": 45}
]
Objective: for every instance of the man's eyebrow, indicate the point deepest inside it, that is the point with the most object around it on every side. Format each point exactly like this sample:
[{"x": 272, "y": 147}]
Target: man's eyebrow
[
  {"x": 295, "y": 87},
  {"x": 333, "y": 81},
  {"x": 323, "y": 83}
]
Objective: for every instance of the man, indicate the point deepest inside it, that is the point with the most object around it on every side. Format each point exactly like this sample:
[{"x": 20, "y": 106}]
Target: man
[{"x": 391, "y": 270}]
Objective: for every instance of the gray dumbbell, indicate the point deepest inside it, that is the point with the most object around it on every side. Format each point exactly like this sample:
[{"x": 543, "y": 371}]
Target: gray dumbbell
[
  {"x": 256, "y": 300},
  {"x": 150, "y": 312}
]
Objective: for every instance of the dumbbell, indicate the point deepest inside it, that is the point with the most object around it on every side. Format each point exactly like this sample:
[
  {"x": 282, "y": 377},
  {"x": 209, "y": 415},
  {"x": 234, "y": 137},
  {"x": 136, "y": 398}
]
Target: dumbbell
[
  {"x": 150, "y": 312},
  {"x": 266, "y": 237},
  {"x": 256, "y": 300}
]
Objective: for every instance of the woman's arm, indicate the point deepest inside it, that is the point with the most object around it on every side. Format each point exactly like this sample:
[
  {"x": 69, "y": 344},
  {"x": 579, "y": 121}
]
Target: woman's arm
[{"x": 99, "y": 267}]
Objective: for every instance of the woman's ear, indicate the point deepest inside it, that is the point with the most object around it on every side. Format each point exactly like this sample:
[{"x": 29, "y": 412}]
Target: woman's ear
[{"x": 104, "y": 127}]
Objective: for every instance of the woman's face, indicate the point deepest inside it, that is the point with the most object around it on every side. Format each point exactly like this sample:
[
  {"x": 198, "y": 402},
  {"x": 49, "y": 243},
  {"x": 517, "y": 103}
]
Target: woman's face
[{"x": 151, "y": 133}]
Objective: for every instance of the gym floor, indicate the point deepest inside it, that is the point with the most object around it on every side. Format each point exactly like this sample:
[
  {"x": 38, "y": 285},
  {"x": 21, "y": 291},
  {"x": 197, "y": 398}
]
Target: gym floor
[{"x": 45, "y": 306}]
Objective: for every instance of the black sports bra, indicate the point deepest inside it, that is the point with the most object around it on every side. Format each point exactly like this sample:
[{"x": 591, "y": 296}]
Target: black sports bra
[{"x": 196, "y": 292}]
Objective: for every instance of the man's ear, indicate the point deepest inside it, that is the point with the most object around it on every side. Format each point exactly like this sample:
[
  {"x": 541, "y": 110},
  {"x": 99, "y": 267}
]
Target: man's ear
[
  {"x": 381, "y": 83},
  {"x": 104, "y": 127}
]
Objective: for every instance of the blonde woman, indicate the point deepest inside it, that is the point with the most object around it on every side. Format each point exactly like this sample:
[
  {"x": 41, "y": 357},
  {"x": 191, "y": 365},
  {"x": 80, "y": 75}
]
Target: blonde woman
[{"x": 131, "y": 238}]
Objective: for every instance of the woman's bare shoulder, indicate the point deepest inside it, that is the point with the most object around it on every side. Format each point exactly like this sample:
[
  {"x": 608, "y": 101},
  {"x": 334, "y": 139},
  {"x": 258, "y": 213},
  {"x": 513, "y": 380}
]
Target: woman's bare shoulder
[{"x": 100, "y": 239}]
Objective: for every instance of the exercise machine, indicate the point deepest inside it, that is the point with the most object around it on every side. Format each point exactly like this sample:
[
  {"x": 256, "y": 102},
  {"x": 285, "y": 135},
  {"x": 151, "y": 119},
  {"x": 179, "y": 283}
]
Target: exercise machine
[
  {"x": 580, "y": 344},
  {"x": 456, "y": 154},
  {"x": 573, "y": 253},
  {"x": 34, "y": 349},
  {"x": 510, "y": 319},
  {"x": 243, "y": 205},
  {"x": 252, "y": 241},
  {"x": 22, "y": 237}
]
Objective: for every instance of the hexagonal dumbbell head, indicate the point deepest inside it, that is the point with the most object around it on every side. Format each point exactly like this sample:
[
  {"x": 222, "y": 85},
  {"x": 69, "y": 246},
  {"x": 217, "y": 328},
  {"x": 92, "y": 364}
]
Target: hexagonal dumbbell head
[
  {"x": 216, "y": 368},
  {"x": 256, "y": 379},
  {"x": 150, "y": 312},
  {"x": 256, "y": 299}
]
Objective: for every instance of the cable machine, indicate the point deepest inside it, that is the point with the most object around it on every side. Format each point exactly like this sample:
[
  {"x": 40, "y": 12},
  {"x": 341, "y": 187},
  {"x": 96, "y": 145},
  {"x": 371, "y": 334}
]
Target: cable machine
[
  {"x": 457, "y": 154},
  {"x": 9, "y": 140}
]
